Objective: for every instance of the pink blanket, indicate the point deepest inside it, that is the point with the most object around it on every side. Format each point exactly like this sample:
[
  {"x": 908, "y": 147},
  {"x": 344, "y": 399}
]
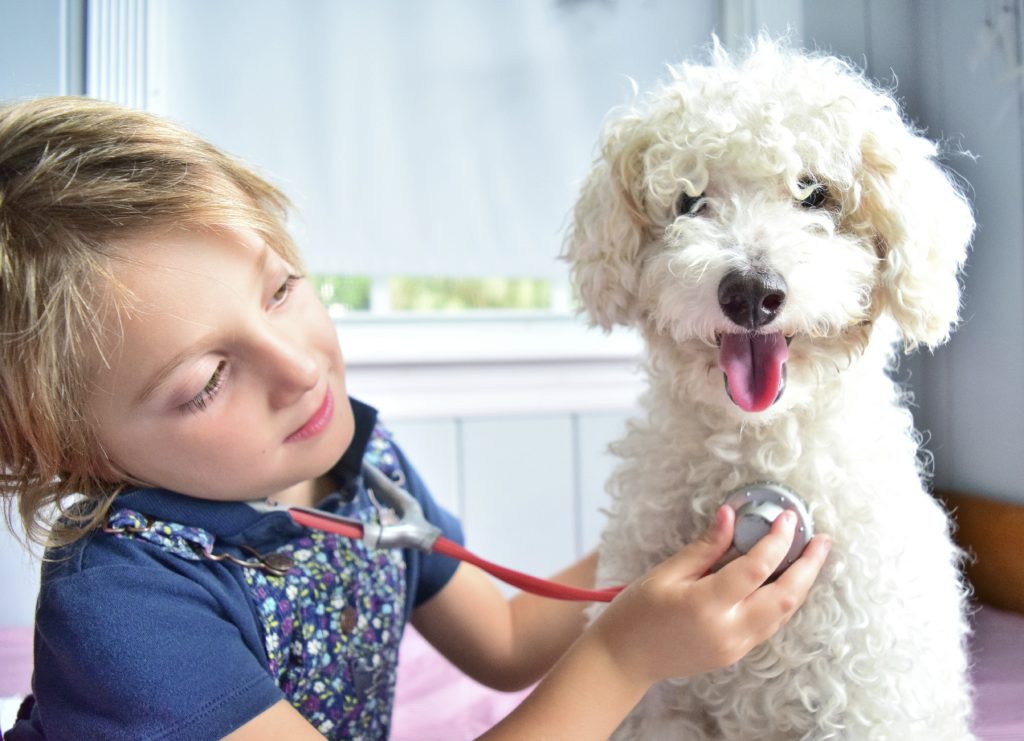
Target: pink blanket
[
  {"x": 435, "y": 702},
  {"x": 997, "y": 649}
]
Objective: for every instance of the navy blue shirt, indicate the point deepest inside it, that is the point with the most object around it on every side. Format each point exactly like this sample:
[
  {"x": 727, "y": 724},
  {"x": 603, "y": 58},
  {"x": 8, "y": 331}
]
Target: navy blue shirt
[{"x": 144, "y": 637}]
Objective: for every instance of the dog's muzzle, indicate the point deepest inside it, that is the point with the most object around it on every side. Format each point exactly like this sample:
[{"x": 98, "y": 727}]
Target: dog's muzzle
[{"x": 753, "y": 361}]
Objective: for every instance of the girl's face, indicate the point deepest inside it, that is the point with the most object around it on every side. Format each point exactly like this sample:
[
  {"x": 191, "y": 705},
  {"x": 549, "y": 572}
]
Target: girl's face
[{"x": 227, "y": 381}]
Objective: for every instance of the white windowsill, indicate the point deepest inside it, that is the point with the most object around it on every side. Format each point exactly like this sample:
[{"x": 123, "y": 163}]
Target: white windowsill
[
  {"x": 485, "y": 338},
  {"x": 428, "y": 367}
]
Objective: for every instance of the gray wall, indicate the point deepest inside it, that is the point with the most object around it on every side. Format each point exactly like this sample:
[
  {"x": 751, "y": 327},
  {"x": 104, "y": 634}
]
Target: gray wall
[
  {"x": 959, "y": 72},
  {"x": 41, "y": 47},
  {"x": 33, "y": 61},
  {"x": 960, "y": 75}
]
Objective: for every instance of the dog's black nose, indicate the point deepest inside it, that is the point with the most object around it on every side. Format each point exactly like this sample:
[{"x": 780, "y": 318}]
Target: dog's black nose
[{"x": 751, "y": 299}]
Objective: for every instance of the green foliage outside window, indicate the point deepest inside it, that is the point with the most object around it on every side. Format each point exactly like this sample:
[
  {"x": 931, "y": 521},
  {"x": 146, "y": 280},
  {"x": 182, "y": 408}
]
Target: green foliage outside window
[
  {"x": 466, "y": 294},
  {"x": 343, "y": 294}
]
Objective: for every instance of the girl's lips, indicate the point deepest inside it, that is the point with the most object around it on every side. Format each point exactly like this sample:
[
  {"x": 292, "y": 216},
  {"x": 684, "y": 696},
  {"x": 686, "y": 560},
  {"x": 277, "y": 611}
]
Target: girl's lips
[{"x": 316, "y": 423}]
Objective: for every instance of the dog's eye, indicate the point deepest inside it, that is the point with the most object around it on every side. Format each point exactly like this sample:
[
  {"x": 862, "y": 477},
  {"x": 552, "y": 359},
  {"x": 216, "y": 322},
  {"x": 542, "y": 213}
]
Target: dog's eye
[
  {"x": 817, "y": 197},
  {"x": 687, "y": 205}
]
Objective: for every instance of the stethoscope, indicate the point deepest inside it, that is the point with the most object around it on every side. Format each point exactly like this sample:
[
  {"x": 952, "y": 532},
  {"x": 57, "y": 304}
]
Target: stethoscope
[{"x": 402, "y": 524}]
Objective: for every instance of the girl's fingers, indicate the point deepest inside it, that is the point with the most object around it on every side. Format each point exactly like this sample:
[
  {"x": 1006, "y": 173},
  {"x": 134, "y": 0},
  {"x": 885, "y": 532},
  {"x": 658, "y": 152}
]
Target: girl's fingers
[
  {"x": 772, "y": 605},
  {"x": 694, "y": 561},
  {"x": 739, "y": 578}
]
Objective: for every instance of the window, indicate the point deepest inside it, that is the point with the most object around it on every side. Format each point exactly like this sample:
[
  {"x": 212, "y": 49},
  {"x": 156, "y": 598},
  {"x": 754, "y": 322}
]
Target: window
[{"x": 433, "y": 150}]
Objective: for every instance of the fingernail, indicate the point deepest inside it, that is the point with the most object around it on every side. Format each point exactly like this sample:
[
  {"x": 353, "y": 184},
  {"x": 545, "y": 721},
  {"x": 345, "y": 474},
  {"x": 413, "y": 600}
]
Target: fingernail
[{"x": 788, "y": 518}]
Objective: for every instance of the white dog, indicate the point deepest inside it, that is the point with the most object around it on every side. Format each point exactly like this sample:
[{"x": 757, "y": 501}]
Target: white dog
[{"x": 776, "y": 232}]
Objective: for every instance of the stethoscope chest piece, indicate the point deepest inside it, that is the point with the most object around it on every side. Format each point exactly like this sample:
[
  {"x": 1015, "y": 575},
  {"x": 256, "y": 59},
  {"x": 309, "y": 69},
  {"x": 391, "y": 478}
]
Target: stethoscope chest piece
[{"x": 757, "y": 506}]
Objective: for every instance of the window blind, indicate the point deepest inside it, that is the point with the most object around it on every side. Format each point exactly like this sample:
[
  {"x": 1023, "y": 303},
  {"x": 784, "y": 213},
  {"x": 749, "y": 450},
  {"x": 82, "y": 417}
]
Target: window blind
[{"x": 447, "y": 137}]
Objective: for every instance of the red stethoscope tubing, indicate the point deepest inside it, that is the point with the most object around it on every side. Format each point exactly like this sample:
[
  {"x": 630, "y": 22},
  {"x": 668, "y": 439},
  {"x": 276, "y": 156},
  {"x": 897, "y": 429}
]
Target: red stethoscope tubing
[{"x": 446, "y": 547}]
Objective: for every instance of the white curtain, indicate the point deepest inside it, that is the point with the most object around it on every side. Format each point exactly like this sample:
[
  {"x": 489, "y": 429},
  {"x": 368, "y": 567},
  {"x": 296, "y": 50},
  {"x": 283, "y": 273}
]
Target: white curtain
[{"x": 417, "y": 137}]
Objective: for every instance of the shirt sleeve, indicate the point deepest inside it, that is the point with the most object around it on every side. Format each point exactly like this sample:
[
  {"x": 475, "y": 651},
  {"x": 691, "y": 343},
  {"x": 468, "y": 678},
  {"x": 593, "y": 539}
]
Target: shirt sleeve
[
  {"x": 134, "y": 652},
  {"x": 431, "y": 571}
]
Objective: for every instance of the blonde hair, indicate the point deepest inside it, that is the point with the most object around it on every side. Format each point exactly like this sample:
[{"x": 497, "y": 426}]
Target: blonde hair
[{"x": 79, "y": 177}]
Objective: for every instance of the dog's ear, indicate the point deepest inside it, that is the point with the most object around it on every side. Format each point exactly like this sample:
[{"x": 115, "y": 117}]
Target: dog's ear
[
  {"x": 609, "y": 228},
  {"x": 923, "y": 226}
]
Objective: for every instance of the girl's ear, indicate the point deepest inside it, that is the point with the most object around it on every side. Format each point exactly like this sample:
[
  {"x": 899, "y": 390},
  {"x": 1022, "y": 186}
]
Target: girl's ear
[
  {"x": 923, "y": 226},
  {"x": 609, "y": 229}
]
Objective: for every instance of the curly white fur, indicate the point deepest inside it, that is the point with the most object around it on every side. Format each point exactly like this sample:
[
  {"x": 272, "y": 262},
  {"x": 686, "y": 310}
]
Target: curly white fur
[{"x": 877, "y": 652}]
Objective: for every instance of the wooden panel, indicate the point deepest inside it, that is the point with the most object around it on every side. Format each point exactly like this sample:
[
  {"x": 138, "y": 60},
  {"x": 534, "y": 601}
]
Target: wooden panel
[
  {"x": 519, "y": 491},
  {"x": 993, "y": 531},
  {"x": 594, "y": 465},
  {"x": 432, "y": 446}
]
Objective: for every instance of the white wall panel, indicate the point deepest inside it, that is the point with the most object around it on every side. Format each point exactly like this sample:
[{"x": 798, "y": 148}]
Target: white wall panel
[
  {"x": 594, "y": 465},
  {"x": 432, "y": 446},
  {"x": 518, "y": 476}
]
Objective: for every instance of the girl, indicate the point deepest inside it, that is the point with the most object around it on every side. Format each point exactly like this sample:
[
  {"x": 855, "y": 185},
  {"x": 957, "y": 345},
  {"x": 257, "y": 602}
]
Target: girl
[{"x": 164, "y": 363}]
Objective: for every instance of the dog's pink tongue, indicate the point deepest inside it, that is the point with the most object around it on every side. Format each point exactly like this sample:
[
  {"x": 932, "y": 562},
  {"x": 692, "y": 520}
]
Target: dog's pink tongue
[{"x": 753, "y": 368}]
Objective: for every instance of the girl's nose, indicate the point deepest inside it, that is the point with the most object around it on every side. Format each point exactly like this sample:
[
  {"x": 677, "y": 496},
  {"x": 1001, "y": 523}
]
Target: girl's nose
[{"x": 291, "y": 369}]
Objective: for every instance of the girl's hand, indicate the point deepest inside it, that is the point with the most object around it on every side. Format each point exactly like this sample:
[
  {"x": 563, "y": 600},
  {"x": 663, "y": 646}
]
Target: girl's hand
[
  {"x": 674, "y": 621},
  {"x": 677, "y": 620}
]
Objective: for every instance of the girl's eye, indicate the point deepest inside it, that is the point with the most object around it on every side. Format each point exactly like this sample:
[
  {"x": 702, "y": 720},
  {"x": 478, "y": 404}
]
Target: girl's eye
[
  {"x": 282, "y": 293},
  {"x": 199, "y": 401}
]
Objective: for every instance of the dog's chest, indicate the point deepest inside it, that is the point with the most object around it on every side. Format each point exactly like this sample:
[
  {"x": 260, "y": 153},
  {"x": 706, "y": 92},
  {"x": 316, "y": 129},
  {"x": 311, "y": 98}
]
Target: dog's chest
[
  {"x": 858, "y": 482},
  {"x": 888, "y": 592}
]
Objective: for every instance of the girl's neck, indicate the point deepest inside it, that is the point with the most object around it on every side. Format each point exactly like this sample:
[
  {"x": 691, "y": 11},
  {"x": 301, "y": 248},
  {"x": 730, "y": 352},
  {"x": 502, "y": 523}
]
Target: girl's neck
[{"x": 306, "y": 493}]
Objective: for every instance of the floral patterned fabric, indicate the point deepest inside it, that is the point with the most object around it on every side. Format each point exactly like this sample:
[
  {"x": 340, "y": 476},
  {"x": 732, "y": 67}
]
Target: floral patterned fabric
[
  {"x": 332, "y": 627},
  {"x": 332, "y": 623},
  {"x": 178, "y": 539}
]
